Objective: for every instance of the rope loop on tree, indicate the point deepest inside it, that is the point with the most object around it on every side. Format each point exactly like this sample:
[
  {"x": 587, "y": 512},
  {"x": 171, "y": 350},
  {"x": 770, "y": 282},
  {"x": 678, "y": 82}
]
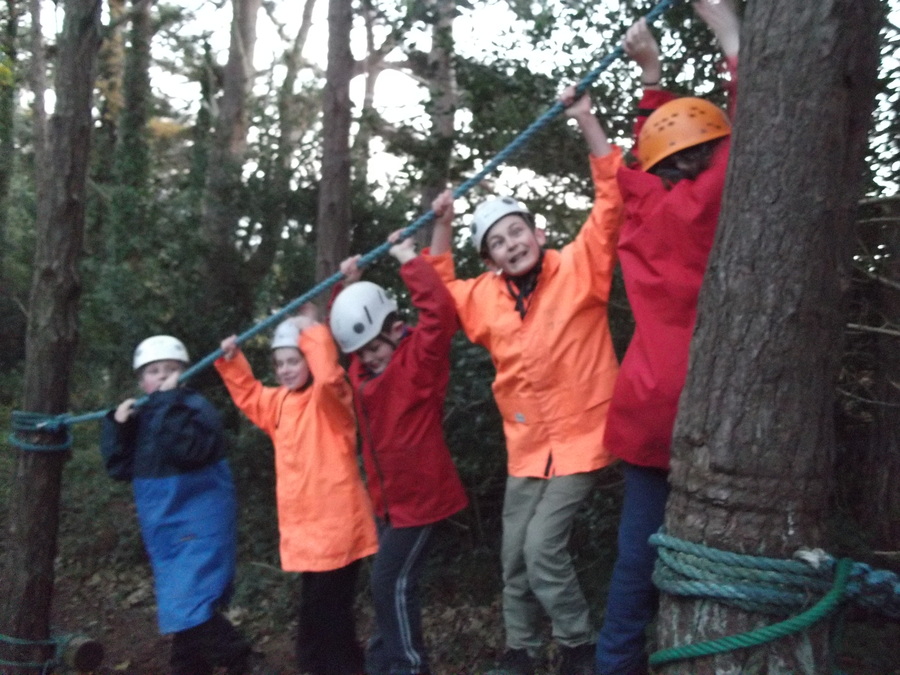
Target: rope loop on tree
[
  {"x": 768, "y": 586},
  {"x": 36, "y": 423},
  {"x": 516, "y": 144},
  {"x": 45, "y": 666}
]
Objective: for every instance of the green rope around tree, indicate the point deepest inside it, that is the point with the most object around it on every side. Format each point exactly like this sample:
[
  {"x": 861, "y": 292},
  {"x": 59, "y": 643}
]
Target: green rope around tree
[
  {"x": 766, "y": 585},
  {"x": 45, "y": 666}
]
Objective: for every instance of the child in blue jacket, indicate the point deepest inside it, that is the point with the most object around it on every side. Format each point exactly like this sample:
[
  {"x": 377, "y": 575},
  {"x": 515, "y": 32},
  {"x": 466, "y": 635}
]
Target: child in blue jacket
[{"x": 172, "y": 450}]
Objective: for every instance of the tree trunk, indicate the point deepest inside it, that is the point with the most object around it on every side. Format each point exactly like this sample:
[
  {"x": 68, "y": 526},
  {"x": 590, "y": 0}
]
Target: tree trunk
[
  {"x": 8, "y": 39},
  {"x": 12, "y": 328},
  {"x": 444, "y": 101},
  {"x": 753, "y": 444},
  {"x": 333, "y": 227},
  {"x": 230, "y": 300},
  {"x": 27, "y": 568}
]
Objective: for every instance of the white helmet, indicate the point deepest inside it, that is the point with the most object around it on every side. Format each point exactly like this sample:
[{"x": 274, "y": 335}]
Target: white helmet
[
  {"x": 160, "y": 348},
  {"x": 489, "y": 212},
  {"x": 286, "y": 335},
  {"x": 358, "y": 314}
]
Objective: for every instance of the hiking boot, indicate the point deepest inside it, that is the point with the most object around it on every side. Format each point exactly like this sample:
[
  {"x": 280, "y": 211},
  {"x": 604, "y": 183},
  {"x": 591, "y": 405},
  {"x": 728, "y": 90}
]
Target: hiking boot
[
  {"x": 578, "y": 660},
  {"x": 513, "y": 662}
]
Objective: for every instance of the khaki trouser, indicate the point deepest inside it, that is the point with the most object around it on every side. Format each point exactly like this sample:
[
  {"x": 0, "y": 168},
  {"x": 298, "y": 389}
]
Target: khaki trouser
[{"x": 537, "y": 568}]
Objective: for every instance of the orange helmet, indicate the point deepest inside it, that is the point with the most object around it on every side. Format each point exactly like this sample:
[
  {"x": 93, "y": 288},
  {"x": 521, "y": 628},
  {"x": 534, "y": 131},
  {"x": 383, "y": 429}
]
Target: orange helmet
[{"x": 679, "y": 124}]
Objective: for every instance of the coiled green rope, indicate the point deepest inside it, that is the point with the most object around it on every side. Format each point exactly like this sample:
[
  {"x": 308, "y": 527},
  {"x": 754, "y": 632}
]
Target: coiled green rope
[{"x": 766, "y": 585}]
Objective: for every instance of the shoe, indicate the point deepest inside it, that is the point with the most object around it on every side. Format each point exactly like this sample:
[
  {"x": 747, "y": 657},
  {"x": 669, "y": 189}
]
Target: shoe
[
  {"x": 578, "y": 660},
  {"x": 514, "y": 662}
]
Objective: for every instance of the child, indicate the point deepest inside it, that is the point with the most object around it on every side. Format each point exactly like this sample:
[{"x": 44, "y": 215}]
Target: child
[
  {"x": 324, "y": 516},
  {"x": 672, "y": 206},
  {"x": 400, "y": 376},
  {"x": 172, "y": 449},
  {"x": 543, "y": 317}
]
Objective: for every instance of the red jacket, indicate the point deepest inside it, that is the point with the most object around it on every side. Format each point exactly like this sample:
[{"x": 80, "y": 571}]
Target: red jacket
[
  {"x": 556, "y": 367},
  {"x": 411, "y": 476},
  {"x": 663, "y": 249}
]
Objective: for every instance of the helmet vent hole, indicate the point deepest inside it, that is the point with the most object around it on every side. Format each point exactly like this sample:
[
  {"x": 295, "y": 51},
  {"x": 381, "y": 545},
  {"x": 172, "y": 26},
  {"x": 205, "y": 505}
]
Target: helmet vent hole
[{"x": 358, "y": 328}]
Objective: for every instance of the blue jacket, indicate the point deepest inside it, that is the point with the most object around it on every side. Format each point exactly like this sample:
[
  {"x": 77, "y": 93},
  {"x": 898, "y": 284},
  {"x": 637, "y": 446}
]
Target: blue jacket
[{"x": 173, "y": 452}]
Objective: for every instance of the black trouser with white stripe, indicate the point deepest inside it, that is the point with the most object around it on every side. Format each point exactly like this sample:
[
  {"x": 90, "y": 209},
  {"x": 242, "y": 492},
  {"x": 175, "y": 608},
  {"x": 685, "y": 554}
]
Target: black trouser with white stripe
[{"x": 397, "y": 647}]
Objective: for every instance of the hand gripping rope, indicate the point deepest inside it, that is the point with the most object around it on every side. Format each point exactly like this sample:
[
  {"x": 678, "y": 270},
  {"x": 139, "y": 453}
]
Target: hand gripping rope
[{"x": 35, "y": 422}]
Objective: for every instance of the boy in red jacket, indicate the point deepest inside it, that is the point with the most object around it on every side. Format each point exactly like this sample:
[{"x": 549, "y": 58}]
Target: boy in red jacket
[
  {"x": 399, "y": 375},
  {"x": 672, "y": 203}
]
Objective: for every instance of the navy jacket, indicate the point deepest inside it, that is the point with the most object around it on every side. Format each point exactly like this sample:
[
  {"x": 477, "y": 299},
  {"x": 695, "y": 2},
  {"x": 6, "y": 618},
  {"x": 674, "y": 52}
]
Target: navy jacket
[{"x": 173, "y": 453}]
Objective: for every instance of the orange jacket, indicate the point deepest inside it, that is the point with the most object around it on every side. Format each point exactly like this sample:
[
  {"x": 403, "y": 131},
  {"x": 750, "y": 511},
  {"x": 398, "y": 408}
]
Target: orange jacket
[
  {"x": 556, "y": 367},
  {"x": 324, "y": 514}
]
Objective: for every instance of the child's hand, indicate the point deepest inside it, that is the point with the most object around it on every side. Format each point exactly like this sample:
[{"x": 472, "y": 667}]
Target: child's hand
[
  {"x": 124, "y": 411},
  {"x": 723, "y": 21},
  {"x": 443, "y": 208},
  {"x": 442, "y": 232},
  {"x": 404, "y": 250},
  {"x": 575, "y": 107},
  {"x": 350, "y": 270},
  {"x": 303, "y": 321},
  {"x": 171, "y": 381},
  {"x": 309, "y": 309},
  {"x": 229, "y": 347},
  {"x": 641, "y": 47}
]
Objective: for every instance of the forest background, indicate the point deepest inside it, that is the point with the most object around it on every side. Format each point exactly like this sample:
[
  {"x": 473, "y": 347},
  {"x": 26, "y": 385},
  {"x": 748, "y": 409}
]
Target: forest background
[{"x": 212, "y": 202}]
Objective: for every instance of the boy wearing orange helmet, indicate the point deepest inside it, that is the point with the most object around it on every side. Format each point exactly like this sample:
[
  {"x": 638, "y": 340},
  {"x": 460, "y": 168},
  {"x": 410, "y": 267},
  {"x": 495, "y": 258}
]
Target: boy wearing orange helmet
[{"x": 672, "y": 203}]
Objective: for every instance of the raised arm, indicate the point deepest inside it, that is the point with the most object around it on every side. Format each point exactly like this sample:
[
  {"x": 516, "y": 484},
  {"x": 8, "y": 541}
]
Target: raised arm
[
  {"x": 641, "y": 47},
  {"x": 723, "y": 21},
  {"x": 581, "y": 110},
  {"x": 442, "y": 233}
]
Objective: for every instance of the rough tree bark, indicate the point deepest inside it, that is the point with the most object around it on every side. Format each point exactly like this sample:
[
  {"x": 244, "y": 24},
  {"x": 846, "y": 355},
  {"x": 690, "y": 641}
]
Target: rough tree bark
[
  {"x": 443, "y": 104},
  {"x": 753, "y": 444},
  {"x": 333, "y": 227},
  {"x": 230, "y": 300},
  {"x": 27, "y": 567}
]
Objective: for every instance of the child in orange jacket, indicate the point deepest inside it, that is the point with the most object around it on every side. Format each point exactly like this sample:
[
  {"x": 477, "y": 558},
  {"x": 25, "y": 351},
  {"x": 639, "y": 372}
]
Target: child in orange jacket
[
  {"x": 542, "y": 315},
  {"x": 325, "y": 518}
]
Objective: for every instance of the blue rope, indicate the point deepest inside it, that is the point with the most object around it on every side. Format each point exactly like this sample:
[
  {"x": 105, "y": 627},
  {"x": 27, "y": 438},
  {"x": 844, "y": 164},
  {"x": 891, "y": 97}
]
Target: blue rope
[{"x": 53, "y": 423}]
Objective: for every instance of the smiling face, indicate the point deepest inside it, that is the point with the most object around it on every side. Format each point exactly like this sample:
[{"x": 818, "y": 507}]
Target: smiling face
[
  {"x": 155, "y": 373},
  {"x": 513, "y": 246},
  {"x": 291, "y": 369}
]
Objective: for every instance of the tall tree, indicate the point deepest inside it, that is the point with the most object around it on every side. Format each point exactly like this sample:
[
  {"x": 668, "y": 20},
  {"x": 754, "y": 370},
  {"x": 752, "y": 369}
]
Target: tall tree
[
  {"x": 333, "y": 241},
  {"x": 754, "y": 442},
  {"x": 27, "y": 567},
  {"x": 230, "y": 299}
]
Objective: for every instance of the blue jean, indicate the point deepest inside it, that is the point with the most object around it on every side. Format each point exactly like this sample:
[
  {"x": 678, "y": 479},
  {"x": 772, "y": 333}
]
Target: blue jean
[
  {"x": 633, "y": 599},
  {"x": 397, "y": 646}
]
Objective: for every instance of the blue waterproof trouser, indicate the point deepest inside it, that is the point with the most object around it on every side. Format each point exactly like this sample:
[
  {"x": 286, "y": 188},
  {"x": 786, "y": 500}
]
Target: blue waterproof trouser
[{"x": 633, "y": 599}]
